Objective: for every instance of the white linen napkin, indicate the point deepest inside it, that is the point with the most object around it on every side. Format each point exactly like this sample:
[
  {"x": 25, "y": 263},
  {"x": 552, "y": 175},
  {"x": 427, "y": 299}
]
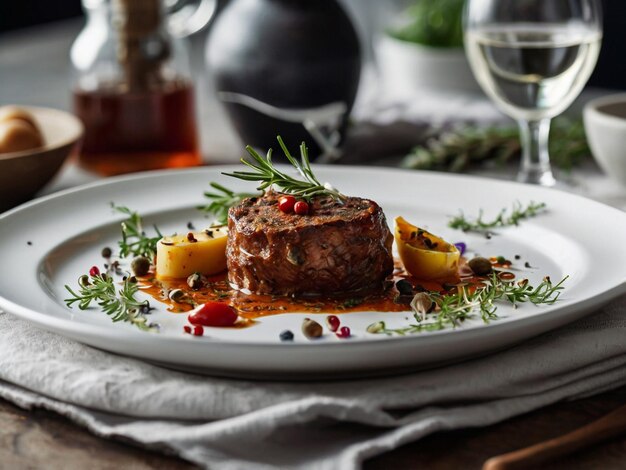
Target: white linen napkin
[{"x": 226, "y": 423}]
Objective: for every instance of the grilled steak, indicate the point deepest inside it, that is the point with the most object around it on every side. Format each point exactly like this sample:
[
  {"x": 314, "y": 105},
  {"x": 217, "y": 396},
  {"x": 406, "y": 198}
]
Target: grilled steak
[{"x": 335, "y": 248}]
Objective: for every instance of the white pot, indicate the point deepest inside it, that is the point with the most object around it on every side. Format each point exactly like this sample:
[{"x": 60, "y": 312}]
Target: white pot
[{"x": 408, "y": 68}]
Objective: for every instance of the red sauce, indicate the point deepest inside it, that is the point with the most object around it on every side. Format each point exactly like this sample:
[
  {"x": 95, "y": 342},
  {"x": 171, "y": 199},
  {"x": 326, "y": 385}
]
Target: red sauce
[{"x": 253, "y": 306}]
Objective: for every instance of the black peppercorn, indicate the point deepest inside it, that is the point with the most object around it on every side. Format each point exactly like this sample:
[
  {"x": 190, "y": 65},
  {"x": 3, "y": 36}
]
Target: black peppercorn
[{"x": 286, "y": 335}]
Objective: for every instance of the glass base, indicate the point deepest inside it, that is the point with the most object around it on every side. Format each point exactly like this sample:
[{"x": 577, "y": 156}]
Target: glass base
[{"x": 537, "y": 176}]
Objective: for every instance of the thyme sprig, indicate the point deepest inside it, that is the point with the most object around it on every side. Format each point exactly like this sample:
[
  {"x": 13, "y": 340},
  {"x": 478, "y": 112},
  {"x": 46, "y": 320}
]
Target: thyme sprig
[
  {"x": 120, "y": 305},
  {"x": 222, "y": 200},
  {"x": 134, "y": 239},
  {"x": 503, "y": 219},
  {"x": 453, "y": 309},
  {"x": 264, "y": 171}
]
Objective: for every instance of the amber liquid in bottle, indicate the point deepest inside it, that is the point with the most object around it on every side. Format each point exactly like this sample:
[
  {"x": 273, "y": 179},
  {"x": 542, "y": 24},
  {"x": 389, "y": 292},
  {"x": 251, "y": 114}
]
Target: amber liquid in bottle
[{"x": 136, "y": 131}]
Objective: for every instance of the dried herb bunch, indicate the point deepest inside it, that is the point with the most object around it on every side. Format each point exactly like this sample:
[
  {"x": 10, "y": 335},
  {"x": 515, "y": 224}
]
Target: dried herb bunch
[{"x": 459, "y": 148}]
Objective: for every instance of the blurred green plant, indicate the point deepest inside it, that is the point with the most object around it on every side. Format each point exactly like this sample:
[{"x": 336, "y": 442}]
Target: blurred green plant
[
  {"x": 435, "y": 23},
  {"x": 458, "y": 149}
]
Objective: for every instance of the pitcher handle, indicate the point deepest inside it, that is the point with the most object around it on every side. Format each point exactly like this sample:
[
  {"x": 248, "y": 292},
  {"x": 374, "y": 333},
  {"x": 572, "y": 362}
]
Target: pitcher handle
[{"x": 182, "y": 22}]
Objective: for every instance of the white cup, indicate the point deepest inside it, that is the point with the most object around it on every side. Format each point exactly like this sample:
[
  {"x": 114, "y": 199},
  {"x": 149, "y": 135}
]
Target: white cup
[{"x": 605, "y": 126}]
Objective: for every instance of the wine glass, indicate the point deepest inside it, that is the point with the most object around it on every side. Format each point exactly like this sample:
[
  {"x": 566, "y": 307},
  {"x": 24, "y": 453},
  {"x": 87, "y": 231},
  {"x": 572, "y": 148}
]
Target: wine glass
[{"x": 533, "y": 58}]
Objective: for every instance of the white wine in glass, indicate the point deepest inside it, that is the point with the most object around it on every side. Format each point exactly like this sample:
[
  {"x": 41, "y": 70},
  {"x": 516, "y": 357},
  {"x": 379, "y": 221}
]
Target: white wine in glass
[{"x": 533, "y": 58}]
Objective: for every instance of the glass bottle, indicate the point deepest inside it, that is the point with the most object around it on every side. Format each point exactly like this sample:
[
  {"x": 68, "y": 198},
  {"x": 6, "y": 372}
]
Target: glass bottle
[{"x": 133, "y": 88}]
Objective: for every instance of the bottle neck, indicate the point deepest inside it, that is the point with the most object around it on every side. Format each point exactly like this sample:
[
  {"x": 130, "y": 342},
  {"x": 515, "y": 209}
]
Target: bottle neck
[
  {"x": 137, "y": 18},
  {"x": 137, "y": 25}
]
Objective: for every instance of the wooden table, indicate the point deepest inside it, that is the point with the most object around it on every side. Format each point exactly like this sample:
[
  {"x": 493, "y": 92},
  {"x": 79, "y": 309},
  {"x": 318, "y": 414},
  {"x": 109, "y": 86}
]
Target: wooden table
[{"x": 41, "y": 439}]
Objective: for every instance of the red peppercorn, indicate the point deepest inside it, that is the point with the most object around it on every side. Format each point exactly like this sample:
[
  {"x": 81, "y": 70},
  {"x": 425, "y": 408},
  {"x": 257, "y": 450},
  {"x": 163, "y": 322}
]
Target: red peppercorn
[
  {"x": 187, "y": 329},
  {"x": 333, "y": 322},
  {"x": 286, "y": 204},
  {"x": 214, "y": 314},
  {"x": 344, "y": 332},
  {"x": 94, "y": 271},
  {"x": 198, "y": 330},
  {"x": 301, "y": 208}
]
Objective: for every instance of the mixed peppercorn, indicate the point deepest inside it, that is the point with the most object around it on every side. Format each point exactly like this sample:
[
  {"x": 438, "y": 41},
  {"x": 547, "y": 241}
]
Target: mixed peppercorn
[{"x": 289, "y": 204}]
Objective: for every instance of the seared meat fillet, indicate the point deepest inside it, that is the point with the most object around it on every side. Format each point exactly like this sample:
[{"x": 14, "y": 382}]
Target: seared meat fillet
[{"x": 336, "y": 248}]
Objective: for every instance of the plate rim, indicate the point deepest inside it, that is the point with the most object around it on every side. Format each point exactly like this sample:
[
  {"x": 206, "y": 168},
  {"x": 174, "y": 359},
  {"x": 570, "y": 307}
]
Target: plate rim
[{"x": 59, "y": 325}]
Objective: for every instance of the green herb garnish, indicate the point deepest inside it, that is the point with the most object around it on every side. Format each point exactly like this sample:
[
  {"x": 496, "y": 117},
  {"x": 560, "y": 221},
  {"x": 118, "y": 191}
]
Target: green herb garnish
[
  {"x": 222, "y": 200},
  {"x": 352, "y": 302},
  {"x": 453, "y": 309},
  {"x": 265, "y": 173},
  {"x": 119, "y": 305},
  {"x": 518, "y": 213},
  {"x": 134, "y": 239}
]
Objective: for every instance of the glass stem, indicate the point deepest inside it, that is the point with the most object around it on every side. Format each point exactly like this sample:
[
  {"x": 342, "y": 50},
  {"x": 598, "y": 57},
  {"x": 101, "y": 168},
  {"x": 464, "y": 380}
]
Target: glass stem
[{"x": 535, "y": 167}]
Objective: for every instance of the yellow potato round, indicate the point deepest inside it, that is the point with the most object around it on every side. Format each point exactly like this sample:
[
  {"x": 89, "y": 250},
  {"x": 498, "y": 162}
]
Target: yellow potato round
[
  {"x": 432, "y": 260},
  {"x": 178, "y": 256}
]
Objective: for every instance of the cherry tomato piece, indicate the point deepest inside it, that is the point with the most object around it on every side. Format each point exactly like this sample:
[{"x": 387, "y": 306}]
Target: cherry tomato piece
[
  {"x": 198, "y": 330},
  {"x": 214, "y": 314},
  {"x": 286, "y": 204}
]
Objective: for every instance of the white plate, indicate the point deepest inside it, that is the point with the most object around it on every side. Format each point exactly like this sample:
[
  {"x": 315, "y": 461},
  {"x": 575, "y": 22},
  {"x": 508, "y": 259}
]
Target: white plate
[{"x": 576, "y": 237}]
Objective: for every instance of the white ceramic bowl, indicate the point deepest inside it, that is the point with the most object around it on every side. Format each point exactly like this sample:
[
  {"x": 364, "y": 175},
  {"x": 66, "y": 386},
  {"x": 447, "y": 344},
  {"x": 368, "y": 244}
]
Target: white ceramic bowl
[
  {"x": 605, "y": 125},
  {"x": 407, "y": 67},
  {"x": 24, "y": 173}
]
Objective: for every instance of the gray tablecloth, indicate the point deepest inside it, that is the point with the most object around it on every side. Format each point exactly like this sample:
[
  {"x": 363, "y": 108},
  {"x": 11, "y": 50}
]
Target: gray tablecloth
[{"x": 225, "y": 423}]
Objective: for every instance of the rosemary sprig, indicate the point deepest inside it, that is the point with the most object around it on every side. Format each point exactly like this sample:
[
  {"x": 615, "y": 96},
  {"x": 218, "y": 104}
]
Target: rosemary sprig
[
  {"x": 119, "y": 305},
  {"x": 134, "y": 239},
  {"x": 518, "y": 213},
  {"x": 222, "y": 200},
  {"x": 453, "y": 309},
  {"x": 458, "y": 148},
  {"x": 264, "y": 171}
]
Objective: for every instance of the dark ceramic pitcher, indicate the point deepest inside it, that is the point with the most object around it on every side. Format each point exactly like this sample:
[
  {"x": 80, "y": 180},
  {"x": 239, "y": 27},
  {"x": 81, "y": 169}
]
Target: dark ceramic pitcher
[{"x": 285, "y": 67}]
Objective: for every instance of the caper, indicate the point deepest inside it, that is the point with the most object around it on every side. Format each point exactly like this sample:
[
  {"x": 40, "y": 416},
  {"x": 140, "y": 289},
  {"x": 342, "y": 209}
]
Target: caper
[
  {"x": 195, "y": 281},
  {"x": 377, "y": 327},
  {"x": 311, "y": 329},
  {"x": 176, "y": 295},
  {"x": 480, "y": 266},
  {"x": 83, "y": 281},
  {"x": 106, "y": 252},
  {"x": 140, "y": 265}
]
